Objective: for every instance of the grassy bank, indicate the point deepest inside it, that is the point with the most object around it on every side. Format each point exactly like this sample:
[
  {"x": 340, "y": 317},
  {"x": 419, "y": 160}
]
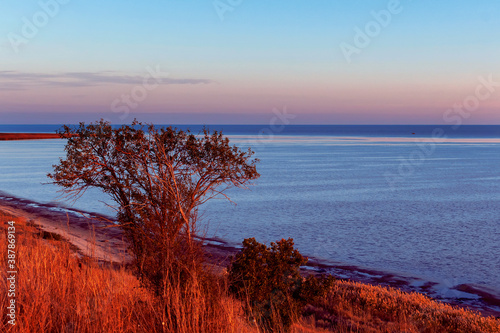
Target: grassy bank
[
  {"x": 357, "y": 307},
  {"x": 58, "y": 291}
]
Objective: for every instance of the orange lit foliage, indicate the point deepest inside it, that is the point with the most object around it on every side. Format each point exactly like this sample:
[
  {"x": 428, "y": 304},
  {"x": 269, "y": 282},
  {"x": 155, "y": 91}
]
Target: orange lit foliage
[
  {"x": 158, "y": 178},
  {"x": 352, "y": 306},
  {"x": 59, "y": 292}
]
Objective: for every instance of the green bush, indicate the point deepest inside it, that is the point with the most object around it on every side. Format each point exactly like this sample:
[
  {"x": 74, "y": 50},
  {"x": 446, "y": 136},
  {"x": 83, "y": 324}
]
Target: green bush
[{"x": 269, "y": 280}]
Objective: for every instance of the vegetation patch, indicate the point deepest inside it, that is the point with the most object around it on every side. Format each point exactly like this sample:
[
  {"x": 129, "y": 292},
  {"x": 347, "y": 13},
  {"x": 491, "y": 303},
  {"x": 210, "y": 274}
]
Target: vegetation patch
[
  {"x": 269, "y": 279},
  {"x": 50, "y": 235}
]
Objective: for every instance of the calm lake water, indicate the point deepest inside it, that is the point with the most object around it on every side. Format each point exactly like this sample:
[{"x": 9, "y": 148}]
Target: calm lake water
[{"x": 387, "y": 199}]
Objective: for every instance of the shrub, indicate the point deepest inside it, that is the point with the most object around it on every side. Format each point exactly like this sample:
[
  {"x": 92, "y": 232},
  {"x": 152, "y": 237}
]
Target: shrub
[{"x": 269, "y": 280}]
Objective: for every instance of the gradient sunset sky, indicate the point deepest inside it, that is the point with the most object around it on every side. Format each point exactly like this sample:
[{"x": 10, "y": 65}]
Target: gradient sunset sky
[{"x": 233, "y": 61}]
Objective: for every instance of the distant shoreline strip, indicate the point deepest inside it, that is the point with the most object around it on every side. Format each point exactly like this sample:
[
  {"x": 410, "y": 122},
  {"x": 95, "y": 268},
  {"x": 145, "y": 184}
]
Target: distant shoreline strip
[{"x": 28, "y": 136}]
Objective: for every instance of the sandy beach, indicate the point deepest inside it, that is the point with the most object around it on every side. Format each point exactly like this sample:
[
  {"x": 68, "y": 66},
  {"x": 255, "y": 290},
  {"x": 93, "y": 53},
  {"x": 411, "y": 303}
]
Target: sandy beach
[
  {"x": 93, "y": 234},
  {"x": 90, "y": 234}
]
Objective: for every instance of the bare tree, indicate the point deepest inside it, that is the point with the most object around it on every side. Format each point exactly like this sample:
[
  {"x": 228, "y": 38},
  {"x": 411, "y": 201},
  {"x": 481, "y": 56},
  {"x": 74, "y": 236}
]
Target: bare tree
[{"x": 158, "y": 178}]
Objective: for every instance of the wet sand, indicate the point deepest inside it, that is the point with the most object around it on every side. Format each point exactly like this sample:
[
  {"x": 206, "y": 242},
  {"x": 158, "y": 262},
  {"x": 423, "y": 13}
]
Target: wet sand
[
  {"x": 99, "y": 236},
  {"x": 94, "y": 234}
]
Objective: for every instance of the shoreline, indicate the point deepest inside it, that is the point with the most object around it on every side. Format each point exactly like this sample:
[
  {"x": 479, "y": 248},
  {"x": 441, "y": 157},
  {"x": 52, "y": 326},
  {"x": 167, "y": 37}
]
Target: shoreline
[
  {"x": 27, "y": 136},
  {"x": 98, "y": 235}
]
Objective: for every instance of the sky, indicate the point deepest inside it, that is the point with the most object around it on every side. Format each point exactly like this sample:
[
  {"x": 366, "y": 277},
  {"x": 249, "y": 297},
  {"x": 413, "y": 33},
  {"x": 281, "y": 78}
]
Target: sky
[{"x": 243, "y": 62}]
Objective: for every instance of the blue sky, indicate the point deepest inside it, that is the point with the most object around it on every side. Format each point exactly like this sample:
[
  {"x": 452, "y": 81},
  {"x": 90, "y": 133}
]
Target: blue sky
[{"x": 86, "y": 57}]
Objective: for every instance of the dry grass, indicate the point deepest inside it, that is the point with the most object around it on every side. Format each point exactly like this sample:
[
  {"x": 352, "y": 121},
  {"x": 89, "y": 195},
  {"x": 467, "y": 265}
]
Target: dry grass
[
  {"x": 59, "y": 292},
  {"x": 357, "y": 307}
]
